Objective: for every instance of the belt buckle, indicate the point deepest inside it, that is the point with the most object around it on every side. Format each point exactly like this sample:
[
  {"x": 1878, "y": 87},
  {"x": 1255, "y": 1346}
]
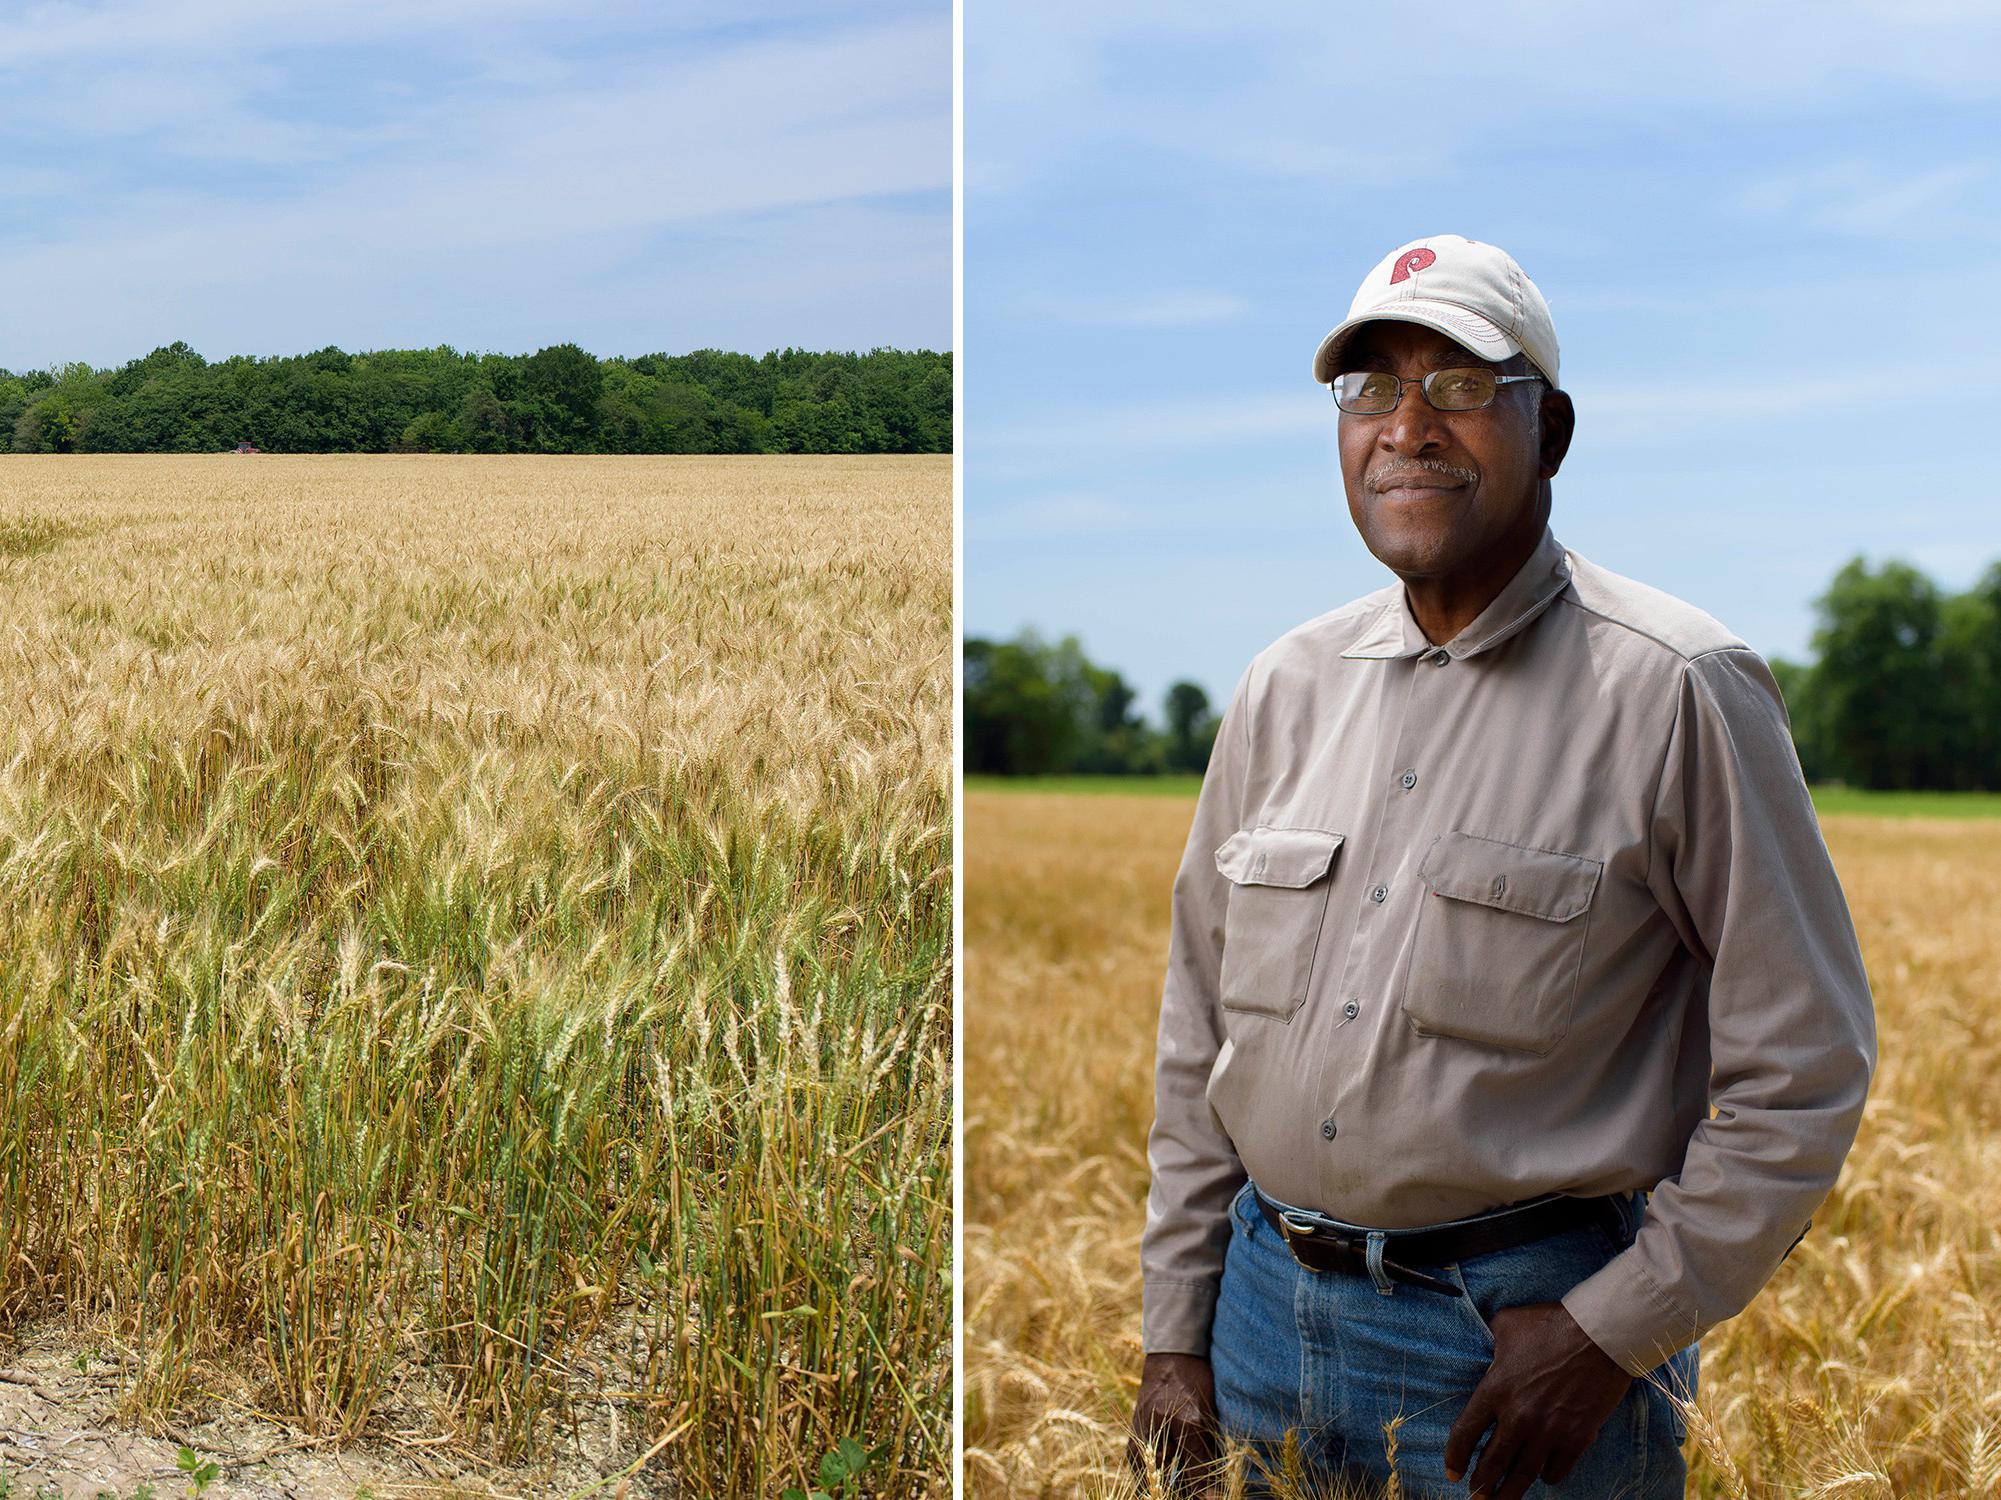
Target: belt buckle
[
  {"x": 1355, "y": 1252},
  {"x": 1298, "y": 1226}
]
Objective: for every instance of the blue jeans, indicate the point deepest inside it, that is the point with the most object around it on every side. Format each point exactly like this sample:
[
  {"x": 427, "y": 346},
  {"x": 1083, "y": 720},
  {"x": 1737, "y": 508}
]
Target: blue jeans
[{"x": 1328, "y": 1356}]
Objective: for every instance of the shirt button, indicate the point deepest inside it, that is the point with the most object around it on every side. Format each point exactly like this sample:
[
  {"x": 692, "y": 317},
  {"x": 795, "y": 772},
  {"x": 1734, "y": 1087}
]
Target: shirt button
[
  {"x": 1409, "y": 779},
  {"x": 1379, "y": 893},
  {"x": 1327, "y": 1130},
  {"x": 1352, "y": 1009},
  {"x": 1441, "y": 656}
]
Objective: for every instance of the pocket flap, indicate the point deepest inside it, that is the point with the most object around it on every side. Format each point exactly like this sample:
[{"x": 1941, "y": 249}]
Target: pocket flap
[
  {"x": 1534, "y": 882},
  {"x": 1292, "y": 857}
]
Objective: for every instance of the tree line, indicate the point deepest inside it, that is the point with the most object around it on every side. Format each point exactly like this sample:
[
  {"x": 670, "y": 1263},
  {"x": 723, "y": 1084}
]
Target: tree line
[
  {"x": 1903, "y": 693},
  {"x": 561, "y": 399},
  {"x": 1037, "y": 708}
]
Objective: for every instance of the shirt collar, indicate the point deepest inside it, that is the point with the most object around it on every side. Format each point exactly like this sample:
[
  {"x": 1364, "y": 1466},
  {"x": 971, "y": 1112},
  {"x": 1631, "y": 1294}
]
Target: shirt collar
[{"x": 1394, "y": 632}]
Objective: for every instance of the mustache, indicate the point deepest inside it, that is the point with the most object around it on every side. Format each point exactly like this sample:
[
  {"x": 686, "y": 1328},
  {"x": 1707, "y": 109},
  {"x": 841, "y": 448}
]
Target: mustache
[{"x": 1389, "y": 476}]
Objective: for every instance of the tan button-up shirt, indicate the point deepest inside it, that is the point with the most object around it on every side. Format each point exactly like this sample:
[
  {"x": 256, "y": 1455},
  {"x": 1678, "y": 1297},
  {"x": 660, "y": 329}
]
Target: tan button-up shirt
[{"x": 1462, "y": 925}]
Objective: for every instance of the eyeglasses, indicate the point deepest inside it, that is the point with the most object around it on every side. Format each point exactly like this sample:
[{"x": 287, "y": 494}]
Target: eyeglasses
[{"x": 1372, "y": 392}]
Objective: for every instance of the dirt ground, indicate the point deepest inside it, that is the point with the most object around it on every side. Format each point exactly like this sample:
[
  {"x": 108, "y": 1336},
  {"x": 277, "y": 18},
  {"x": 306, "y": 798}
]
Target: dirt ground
[{"x": 60, "y": 1434}]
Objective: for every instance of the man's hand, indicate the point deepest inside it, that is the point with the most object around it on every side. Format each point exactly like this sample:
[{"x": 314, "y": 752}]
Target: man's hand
[
  {"x": 1546, "y": 1394},
  {"x": 1175, "y": 1413}
]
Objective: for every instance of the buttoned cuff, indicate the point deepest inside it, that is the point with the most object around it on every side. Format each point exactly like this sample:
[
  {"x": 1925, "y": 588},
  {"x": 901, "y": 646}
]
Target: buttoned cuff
[
  {"x": 1629, "y": 1315},
  {"x": 1175, "y": 1316}
]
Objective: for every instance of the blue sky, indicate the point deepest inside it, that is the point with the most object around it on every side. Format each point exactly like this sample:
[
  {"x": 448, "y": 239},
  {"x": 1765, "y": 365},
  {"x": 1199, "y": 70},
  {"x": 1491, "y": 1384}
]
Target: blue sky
[
  {"x": 1770, "y": 236},
  {"x": 270, "y": 178}
]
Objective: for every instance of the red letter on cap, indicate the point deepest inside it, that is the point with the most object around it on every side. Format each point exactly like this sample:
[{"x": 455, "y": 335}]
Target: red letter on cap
[{"x": 1417, "y": 260}]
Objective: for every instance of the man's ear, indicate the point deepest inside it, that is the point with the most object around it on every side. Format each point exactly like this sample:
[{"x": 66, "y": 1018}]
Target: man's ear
[{"x": 1559, "y": 424}]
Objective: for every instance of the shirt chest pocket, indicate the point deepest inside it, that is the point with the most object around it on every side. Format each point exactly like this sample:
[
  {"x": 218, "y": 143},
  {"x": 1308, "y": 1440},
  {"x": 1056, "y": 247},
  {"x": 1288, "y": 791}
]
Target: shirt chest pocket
[
  {"x": 1499, "y": 943},
  {"x": 1279, "y": 886}
]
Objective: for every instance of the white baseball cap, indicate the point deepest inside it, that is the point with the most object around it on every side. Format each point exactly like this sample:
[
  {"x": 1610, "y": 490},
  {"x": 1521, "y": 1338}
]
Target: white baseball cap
[{"x": 1468, "y": 291}]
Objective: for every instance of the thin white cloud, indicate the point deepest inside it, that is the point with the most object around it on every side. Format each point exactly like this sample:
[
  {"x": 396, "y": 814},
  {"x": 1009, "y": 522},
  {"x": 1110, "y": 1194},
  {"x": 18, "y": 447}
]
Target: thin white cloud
[
  {"x": 63, "y": 32},
  {"x": 1167, "y": 309},
  {"x": 1780, "y": 393},
  {"x": 1055, "y": 516},
  {"x": 202, "y": 112},
  {"x": 1636, "y": 408},
  {"x": 19, "y": 180},
  {"x": 1862, "y": 197},
  {"x": 1177, "y": 423}
]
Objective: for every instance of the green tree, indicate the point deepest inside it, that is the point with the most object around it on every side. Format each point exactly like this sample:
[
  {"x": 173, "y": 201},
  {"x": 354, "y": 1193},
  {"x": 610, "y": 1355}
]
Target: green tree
[
  {"x": 13, "y": 400},
  {"x": 1191, "y": 727},
  {"x": 1120, "y": 742},
  {"x": 1026, "y": 707},
  {"x": 169, "y": 362},
  {"x": 1969, "y": 645},
  {"x": 483, "y": 421},
  {"x": 58, "y": 417},
  {"x": 433, "y": 432},
  {"x": 563, "y": 383},
  {"x": 1879, "y": 679}
]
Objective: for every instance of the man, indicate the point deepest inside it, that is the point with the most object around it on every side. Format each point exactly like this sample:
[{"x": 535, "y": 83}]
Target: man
[{"x": 1502, "y": 879}]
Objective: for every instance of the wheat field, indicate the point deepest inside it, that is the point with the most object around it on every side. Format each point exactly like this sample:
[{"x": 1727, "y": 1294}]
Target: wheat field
[
  {"x": 1869, "y": 1367},
  {"x": 475, "y": 951}
]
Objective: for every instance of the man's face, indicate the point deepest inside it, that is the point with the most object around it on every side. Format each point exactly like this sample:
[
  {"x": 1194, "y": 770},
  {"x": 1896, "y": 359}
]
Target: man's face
[{"x": 1434, "y": 493}]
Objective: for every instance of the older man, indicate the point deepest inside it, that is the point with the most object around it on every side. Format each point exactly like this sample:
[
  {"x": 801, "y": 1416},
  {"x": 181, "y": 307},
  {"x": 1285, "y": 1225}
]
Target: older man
[{"x": 1514, "y": 1023}]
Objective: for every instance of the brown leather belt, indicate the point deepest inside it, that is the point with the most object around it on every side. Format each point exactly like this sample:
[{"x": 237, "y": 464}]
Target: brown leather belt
[{"x": 1323, "y": 1244}]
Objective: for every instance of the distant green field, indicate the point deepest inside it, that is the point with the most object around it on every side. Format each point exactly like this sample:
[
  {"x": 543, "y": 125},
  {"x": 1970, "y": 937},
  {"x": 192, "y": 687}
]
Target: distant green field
[
  {"x": 1828, "y": 799},
  {"x": 1842, "y": 799},
  {"x": 1180, "y": 785}
]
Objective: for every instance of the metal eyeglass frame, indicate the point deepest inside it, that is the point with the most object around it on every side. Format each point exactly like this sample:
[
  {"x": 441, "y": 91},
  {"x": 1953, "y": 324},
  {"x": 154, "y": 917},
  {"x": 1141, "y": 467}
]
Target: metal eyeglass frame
[{"x": 1423, "y": 382}]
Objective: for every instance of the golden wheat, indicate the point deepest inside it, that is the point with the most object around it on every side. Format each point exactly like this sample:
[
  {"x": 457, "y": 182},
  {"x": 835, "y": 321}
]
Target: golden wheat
[
  {"x": 481, "y": 926},
  {"x": 1871, "y": 1365}
]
